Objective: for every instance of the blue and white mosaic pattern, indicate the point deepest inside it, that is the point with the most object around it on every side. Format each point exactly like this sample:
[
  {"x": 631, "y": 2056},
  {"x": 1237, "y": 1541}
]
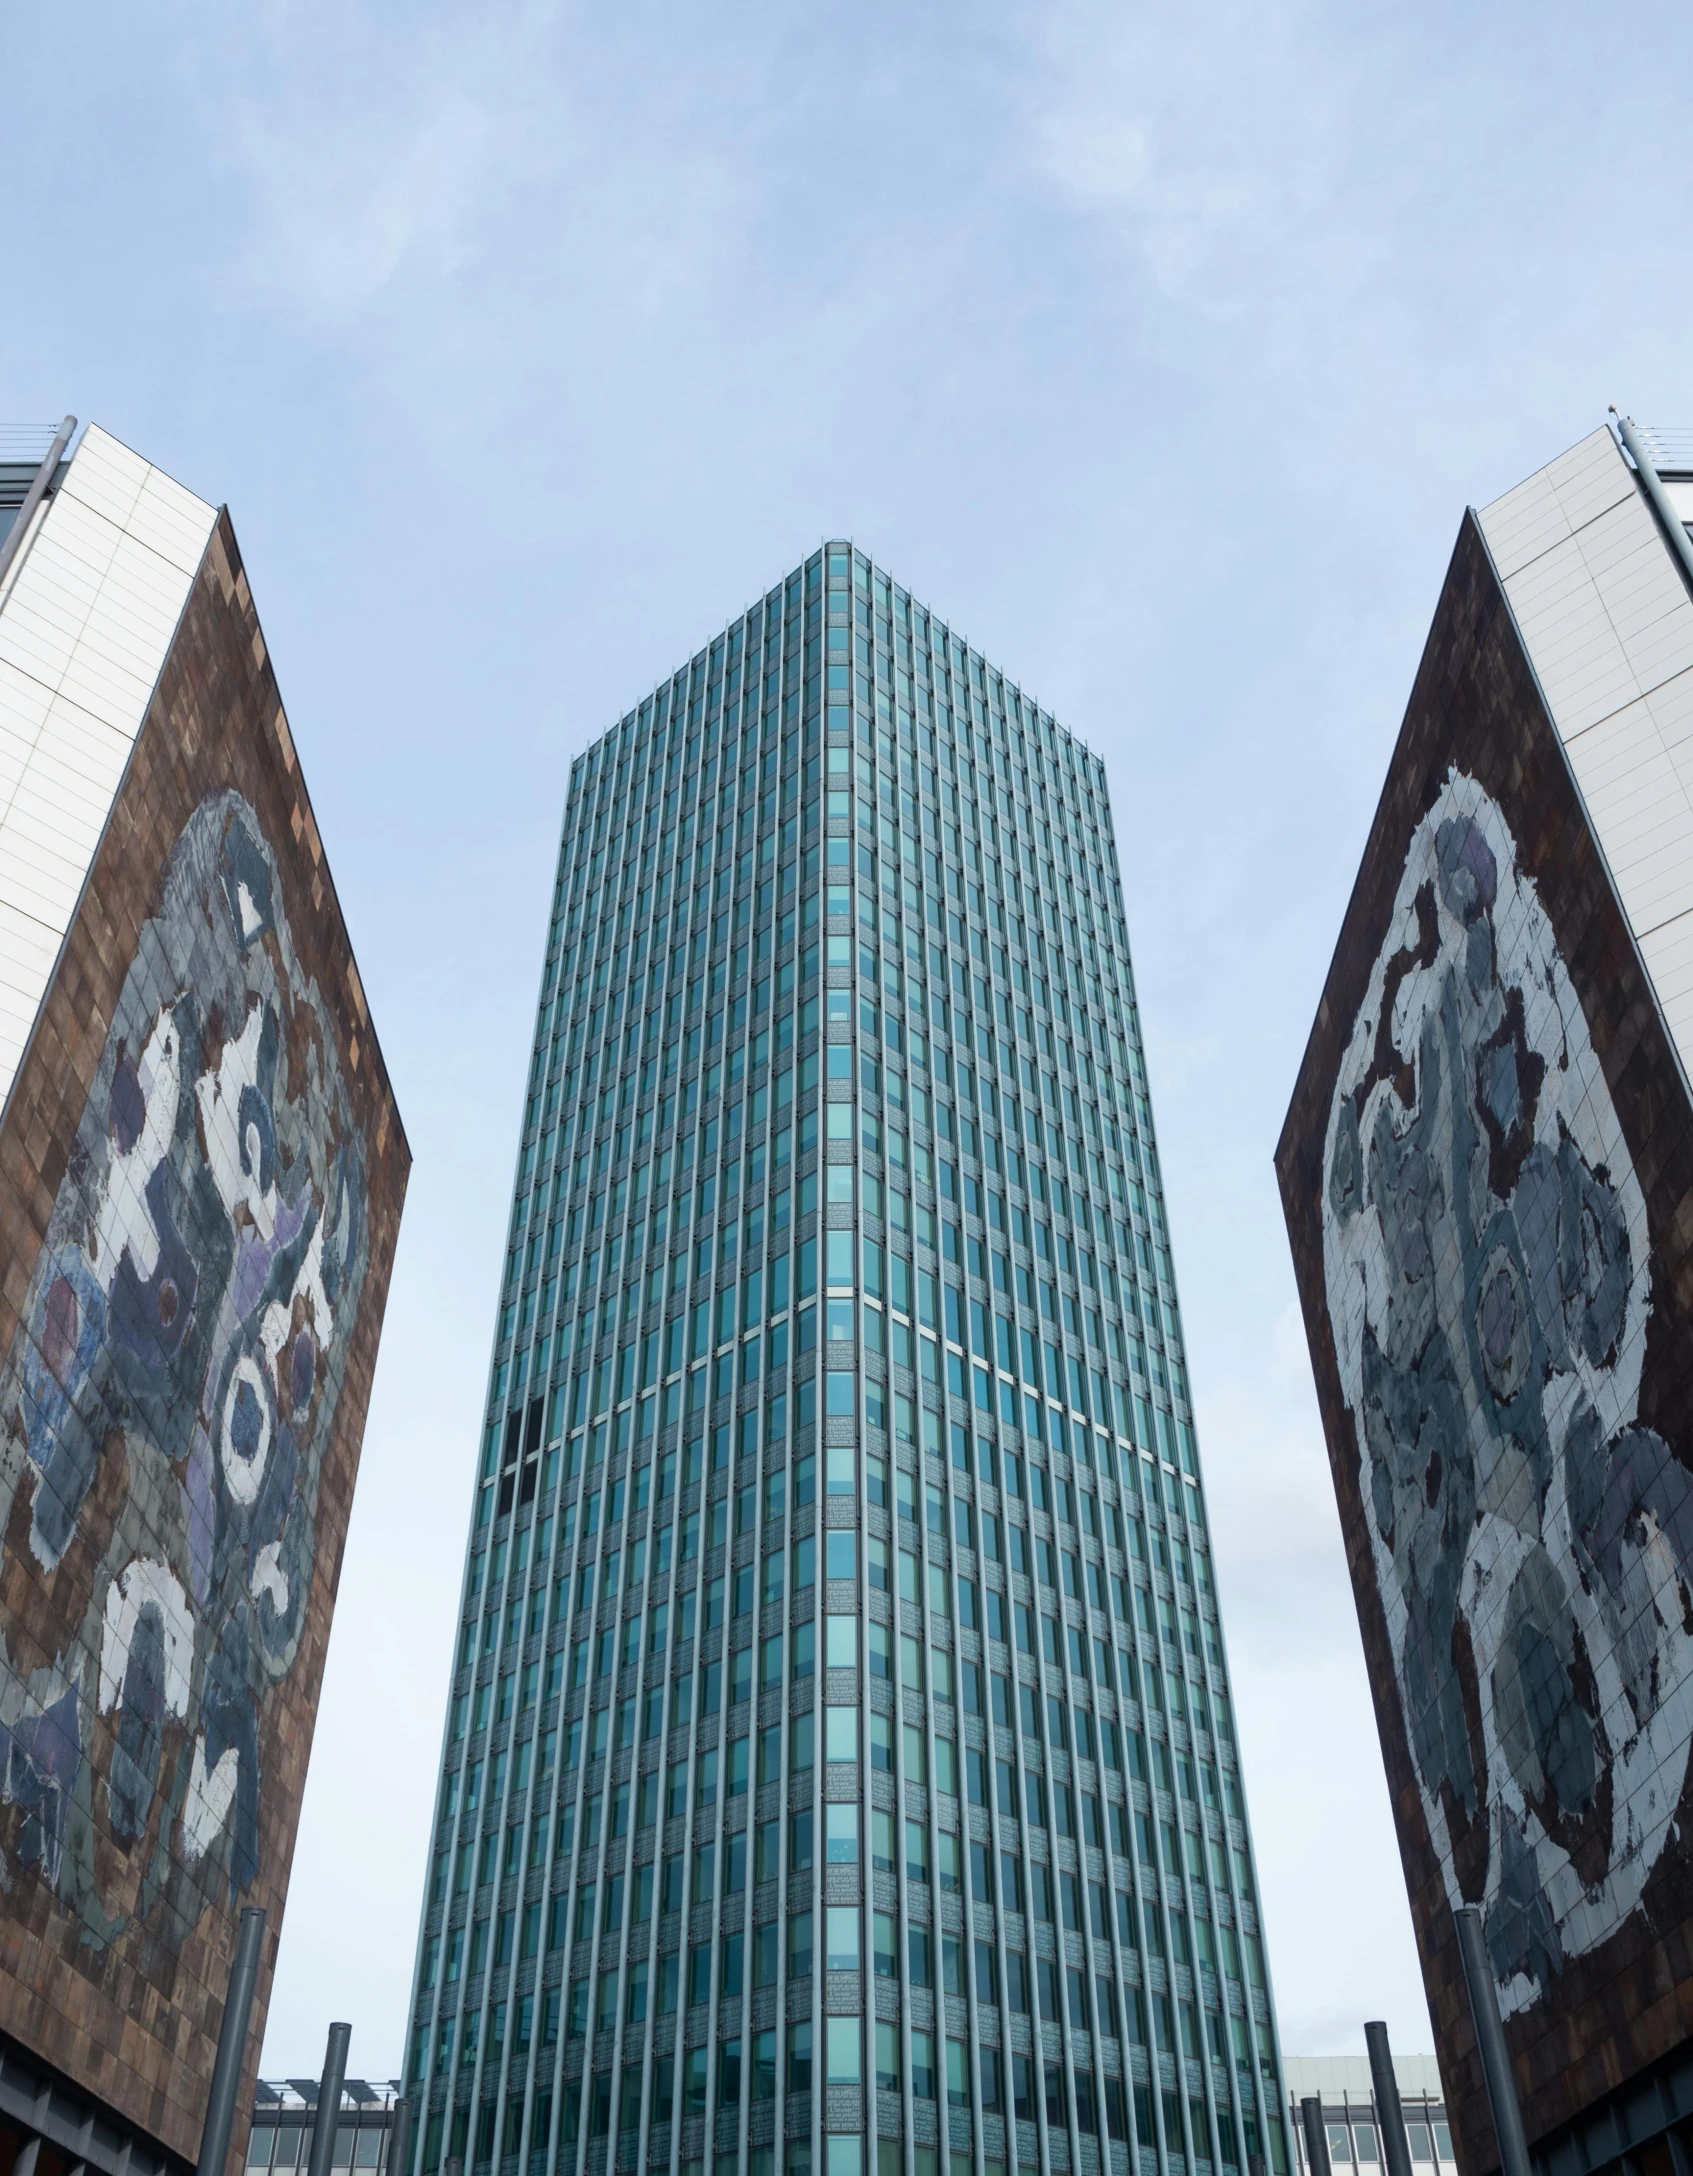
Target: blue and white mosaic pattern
[
  {"x": 1489, "y": 1286},
  {"x": 167, "y": 1404}
]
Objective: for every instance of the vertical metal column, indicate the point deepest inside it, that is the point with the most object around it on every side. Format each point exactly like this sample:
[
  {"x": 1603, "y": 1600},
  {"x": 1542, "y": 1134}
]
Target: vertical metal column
[
  {"x": 1390, "y": 2117},
  {"x": 328, "y": 2114},
  {"x": 1316, "y": 2138},
  {"x": 232, "y": 2043},
  {"x": 1490, "y": 2041},
  {"x": 399, "y": 2137}
]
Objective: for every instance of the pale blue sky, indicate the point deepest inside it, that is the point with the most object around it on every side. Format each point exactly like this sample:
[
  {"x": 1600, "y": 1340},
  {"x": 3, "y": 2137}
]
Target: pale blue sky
[{"x": 1158, "y": 349}]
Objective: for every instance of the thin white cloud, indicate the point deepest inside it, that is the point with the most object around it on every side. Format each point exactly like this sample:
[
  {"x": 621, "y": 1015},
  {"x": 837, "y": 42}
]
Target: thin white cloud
[
  {"x": 344, "y": 222},
  {"x": 1216, "y": 134},
  {"x": 372, "y": 160},
  {"x": 471, "y": 212}
]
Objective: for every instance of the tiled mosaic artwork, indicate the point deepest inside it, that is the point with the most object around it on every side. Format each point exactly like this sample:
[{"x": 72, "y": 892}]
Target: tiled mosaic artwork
[
  {"x": 1487, "y": 1173},
  {"x": 168, "y": 1401},
  {"x": 1489, "y": 1286}
]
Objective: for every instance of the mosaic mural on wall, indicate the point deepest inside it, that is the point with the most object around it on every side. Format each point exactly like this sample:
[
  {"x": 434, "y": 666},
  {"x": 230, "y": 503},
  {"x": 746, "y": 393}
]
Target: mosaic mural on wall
[
  {"x": 1488, "y": 1287},
  {"x": 168, "y": 1403}
]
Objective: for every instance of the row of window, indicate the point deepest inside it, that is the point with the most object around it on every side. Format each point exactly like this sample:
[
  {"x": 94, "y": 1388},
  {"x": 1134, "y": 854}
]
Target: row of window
[
  {"x": 940, "y": 814},
  {"x": 1003, "y": 2078},
  {"x": 1018, "y": 981},
  {"x": 731, "y": 1346},
  {"x": 1359, "y": 2142},
  {"x": 1050, "y": 2088},
  {"x": 1049, "y": 1562},
  {"x": 288, "y": 2146},
  {"x": 1004, "y": 1136},
  {"x": 1036, "y": 1732},
  {"x": 1038, "y": 1152},
  {"x": 705, "y": 1609},
  {"x": 843, "y": 1724},
  {"x": 1046, "y": 1106},
  {"x": 962, "y": 1165},
  {"x": 884, "y": 1650},
  {"x": 632, "y": 1189},
  {"x": 569, "y": 1477},
  {"x": 676, "y": 1785},
  {"x": 1046, "y": 1896},
  {"x": 687, "y": 791},
  {"x": 641, "y": 969},
  {"x": 617, "y": 988},
  {"x": 732, "y": 667},
  {"x": 682, "y": 1185},
  {"x": 1052, "y": 1988},
  {"x": 910, "y": 827},
  {"x": 1000, "y": 1540},
  {"x": 1059, "y": 1493}
]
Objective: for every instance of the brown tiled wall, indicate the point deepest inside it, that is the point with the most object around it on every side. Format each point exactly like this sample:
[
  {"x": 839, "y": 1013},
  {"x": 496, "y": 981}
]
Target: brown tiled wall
[
  {"x": 137, "y": 2025},
  {"x": 1476, "y": 704}
]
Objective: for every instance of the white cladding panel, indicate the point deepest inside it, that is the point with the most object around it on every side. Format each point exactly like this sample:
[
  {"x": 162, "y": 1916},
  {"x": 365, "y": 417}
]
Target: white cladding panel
[
  {"x": 1347, "y": 2077},
  {"x": 1605, "y": 613},
  {"x": 86, "y": 620}
]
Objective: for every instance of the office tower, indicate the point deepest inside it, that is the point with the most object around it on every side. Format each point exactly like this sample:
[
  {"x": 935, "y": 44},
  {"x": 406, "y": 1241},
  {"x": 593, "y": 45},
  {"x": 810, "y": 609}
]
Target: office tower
[
  {"x": 1487, "y": 1170},
  {"x": 1351, "y": 2125},
  {"x": 839, "y": 1769},
  {"x": 201, "y": 1173}
]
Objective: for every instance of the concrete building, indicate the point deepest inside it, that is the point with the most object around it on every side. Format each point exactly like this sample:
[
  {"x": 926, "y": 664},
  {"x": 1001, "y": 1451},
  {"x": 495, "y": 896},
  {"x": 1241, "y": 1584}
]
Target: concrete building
[
  {"x": 1487, "y": 1171},
  {"x": 1350, "y": 2122},
  {"x": 839, "y": 1759},
  {"x": 201, "y": 1174}
]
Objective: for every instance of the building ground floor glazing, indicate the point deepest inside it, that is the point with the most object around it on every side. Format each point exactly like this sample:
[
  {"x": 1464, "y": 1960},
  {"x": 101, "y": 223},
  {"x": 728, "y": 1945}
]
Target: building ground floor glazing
[
  {"x": 874, "y": 1807},
  {"x": 285, "y": 2114}
]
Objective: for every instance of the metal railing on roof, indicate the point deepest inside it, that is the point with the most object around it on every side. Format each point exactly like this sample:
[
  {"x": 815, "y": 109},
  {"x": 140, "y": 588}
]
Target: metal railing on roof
[
  {"x": 356, "y": 2093},
  {"x": 25, "y": 441},
  {"x": 1670, "y": 450}
]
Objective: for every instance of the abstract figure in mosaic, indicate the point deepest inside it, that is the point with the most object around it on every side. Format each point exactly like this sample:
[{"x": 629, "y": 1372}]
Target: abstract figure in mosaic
[
  {"x": 1488, "y": 1284},
  {"x": 167, "y": 1404}
]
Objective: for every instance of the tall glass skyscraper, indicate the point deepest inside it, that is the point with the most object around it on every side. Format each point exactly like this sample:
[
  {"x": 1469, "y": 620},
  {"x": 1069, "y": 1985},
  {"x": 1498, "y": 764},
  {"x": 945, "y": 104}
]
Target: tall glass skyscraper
[{"x": 839, "y": 1771}]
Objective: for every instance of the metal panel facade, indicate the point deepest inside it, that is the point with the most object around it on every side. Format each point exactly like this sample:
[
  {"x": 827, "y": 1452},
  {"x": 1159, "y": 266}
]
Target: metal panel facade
[
  {"x": 1608, "y": 625},
  {"x": 86, "y": 618}
]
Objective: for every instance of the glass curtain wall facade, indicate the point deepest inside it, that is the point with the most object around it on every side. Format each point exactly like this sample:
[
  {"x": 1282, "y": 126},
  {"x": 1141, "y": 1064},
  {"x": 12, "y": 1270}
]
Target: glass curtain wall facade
[{"x": 839, "y": 1770}]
